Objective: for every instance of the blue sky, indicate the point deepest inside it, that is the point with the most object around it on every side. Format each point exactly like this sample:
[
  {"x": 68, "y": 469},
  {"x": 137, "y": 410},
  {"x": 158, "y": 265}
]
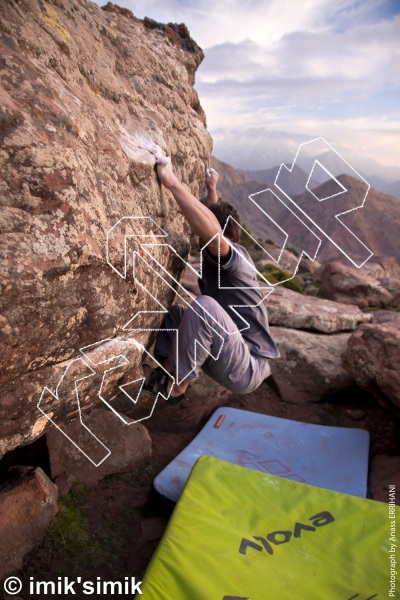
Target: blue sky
[{"x": 278, "y": 72}]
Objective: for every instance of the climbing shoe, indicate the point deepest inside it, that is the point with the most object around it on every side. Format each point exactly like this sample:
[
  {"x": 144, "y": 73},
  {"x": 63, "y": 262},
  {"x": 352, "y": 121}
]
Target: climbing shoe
[{"x": 156, "y": 381}]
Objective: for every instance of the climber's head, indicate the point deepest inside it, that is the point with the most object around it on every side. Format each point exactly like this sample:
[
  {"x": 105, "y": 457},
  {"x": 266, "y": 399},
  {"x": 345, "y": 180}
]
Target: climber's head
[{"x": 230, "y": 226}]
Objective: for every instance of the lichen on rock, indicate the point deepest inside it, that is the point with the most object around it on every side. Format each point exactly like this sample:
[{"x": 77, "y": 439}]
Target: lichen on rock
[{"x": 82, "y": 87}]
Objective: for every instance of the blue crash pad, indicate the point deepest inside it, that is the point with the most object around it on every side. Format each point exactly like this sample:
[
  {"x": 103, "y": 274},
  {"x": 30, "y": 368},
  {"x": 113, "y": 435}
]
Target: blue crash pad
[{"x": 334, "y": 458}]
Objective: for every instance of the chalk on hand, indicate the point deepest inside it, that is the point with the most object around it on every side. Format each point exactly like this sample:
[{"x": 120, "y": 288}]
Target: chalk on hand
[
  {"x": 211, "y": 175},
  {"x": 153, "y": 149}
]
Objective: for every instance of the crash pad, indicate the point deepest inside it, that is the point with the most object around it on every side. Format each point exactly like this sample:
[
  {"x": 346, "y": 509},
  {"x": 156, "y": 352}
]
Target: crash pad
[
  {"x": 239, "y": 534},
  {"x": 334, "y": 458}
]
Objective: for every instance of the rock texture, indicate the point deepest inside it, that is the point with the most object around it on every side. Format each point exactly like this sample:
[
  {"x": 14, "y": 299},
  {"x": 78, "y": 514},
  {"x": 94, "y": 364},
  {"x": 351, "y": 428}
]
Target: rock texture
[
  {"x": 372, "y": 357},
  {"x": 28, "y": 504},
  {"x": 82, "y": 88},
  {"x": 395, "y": 302},
  {"x": 386, "y": 316},
  {"x": 310, "y": 365},
  {"x": 386, "y": 270},
  {"x": 384, "y": 471},
  {"x": 130, "y": 447},
  {"x": 352, "y": 286},
  {"x": 291, "y": 309}
]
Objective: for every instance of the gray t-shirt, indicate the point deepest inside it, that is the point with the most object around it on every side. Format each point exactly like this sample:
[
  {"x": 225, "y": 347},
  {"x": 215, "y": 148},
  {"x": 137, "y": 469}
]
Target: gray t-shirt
[{"x": 237, "y": 274}]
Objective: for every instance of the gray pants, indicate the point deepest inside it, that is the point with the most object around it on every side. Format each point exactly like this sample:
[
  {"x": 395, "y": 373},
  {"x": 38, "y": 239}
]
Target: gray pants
[{"x": 208, "y": 339}]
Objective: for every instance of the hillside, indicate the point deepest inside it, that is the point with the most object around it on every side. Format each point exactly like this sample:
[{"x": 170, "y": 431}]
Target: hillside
[{"x": 377, "y": 224}]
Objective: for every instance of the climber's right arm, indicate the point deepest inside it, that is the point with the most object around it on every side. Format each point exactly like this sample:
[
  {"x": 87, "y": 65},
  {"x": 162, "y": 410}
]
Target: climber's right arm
[{"x": 203, "y": 222}]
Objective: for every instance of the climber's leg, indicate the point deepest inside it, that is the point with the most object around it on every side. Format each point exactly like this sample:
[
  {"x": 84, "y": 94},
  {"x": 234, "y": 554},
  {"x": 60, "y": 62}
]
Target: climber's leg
[
  {"x": 167, "y": 334},
  {"x": 208, "y": 339}
]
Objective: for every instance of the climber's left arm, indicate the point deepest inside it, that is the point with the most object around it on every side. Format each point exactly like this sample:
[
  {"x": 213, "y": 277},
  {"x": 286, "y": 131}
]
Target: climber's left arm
[{"x": 211, "y": 185}]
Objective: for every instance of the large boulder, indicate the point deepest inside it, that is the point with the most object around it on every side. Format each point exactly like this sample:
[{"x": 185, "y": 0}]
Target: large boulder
[
  {"x": 372, "y": 358},
  {"x": 386, "y": 270},
  {"x": 129, "y": 447},
  {"x": 82, "y": 89},
  {"x": 28, "y": 504},
  {"x": 310, "y": 365},
  {"x": 287, "y": 308},
  {"x": 352, "y": 286}
]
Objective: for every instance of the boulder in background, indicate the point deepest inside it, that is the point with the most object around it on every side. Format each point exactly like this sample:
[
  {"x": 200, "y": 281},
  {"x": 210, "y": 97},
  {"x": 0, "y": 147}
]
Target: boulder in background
[
  {"x": 310, "y": 365},
  {"x": 130, "y": 447},
  {"x": 345, "y": 284},
  {"x": 372, "y": 358}
]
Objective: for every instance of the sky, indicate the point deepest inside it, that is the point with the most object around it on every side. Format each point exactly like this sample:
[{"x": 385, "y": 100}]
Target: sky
[{"x": 278, "y": 73}]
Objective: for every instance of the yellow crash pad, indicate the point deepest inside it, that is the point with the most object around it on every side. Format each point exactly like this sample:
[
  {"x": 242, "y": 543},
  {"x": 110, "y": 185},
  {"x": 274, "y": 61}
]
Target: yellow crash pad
[{"x": 239, "y": 534}]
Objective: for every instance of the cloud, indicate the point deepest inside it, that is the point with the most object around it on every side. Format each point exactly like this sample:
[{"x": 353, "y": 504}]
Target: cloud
[
  {"x": 366, "y": 55},
  {"x": 365, "y": 147},
  {"x": 314, "y": 68},
  {"x": 335, "y": 83},
  {"x": 258, "y": 20}
]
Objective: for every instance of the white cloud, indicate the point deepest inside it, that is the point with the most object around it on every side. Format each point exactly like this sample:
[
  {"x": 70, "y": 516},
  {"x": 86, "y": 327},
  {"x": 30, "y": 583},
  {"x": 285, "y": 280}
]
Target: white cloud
[
  {"x": 367, "y": 147},
  {"x": 314, "y": 68},
  {"x": 262, "y": 21},
  {"x": 336, "y": 84}
]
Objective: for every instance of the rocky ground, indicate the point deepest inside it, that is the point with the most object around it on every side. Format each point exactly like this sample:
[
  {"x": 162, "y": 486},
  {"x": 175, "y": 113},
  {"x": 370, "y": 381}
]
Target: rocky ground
[
  {"x": 70, "y": 179},
  {"x": 109, "y": 528}
]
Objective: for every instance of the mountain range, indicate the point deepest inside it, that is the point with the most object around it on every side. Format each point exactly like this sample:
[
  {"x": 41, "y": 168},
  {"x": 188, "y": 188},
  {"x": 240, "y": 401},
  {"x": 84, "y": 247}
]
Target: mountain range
[{"x": 376, "y": 224}]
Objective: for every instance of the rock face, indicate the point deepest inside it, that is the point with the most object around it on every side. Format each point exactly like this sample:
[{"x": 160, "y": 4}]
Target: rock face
[
  {"x": 351, "y": 286},
  {"x": 82, "y": 88},
  {"x": 130, "y": 447},
  {"x": 28, "y": 504},
  {"x": 291, "y": 309},
  {"x": 385, "y": 471},
  {"x": 372, "y": 358},
  {"x": 310, "y": 365}
]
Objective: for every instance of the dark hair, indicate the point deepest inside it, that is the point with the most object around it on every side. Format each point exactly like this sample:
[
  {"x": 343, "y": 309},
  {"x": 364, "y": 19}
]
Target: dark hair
[{"x": 222, "y": 211}]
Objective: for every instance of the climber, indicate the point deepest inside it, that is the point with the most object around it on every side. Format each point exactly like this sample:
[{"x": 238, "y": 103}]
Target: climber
[{"x": 234, "y": 345}]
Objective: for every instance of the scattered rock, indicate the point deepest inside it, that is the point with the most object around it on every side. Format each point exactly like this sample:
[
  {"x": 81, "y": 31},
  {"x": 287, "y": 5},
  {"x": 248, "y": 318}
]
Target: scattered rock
[
  {"x": 130, "y": 447},
  {"x": 386, "y": 316},
  {"x": 386, "y": 270},
  {"x": 384, "y": 471},
  {"x": 310, "y": 365},
  {"x": 345, "y": 284},
  {"x": 307, "y": 265},
  {"x": 64, "y": 482},
  {"x": 288, "y": 261},
  {"x": 355, "y": 415},
  {"x": 287, "y": 308},
  {"x": 152, "y": 529},
  {"x": 28, "y": 504},
  {"x": 372, "y": 358},
  {"x": 395, "y": 302}
]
